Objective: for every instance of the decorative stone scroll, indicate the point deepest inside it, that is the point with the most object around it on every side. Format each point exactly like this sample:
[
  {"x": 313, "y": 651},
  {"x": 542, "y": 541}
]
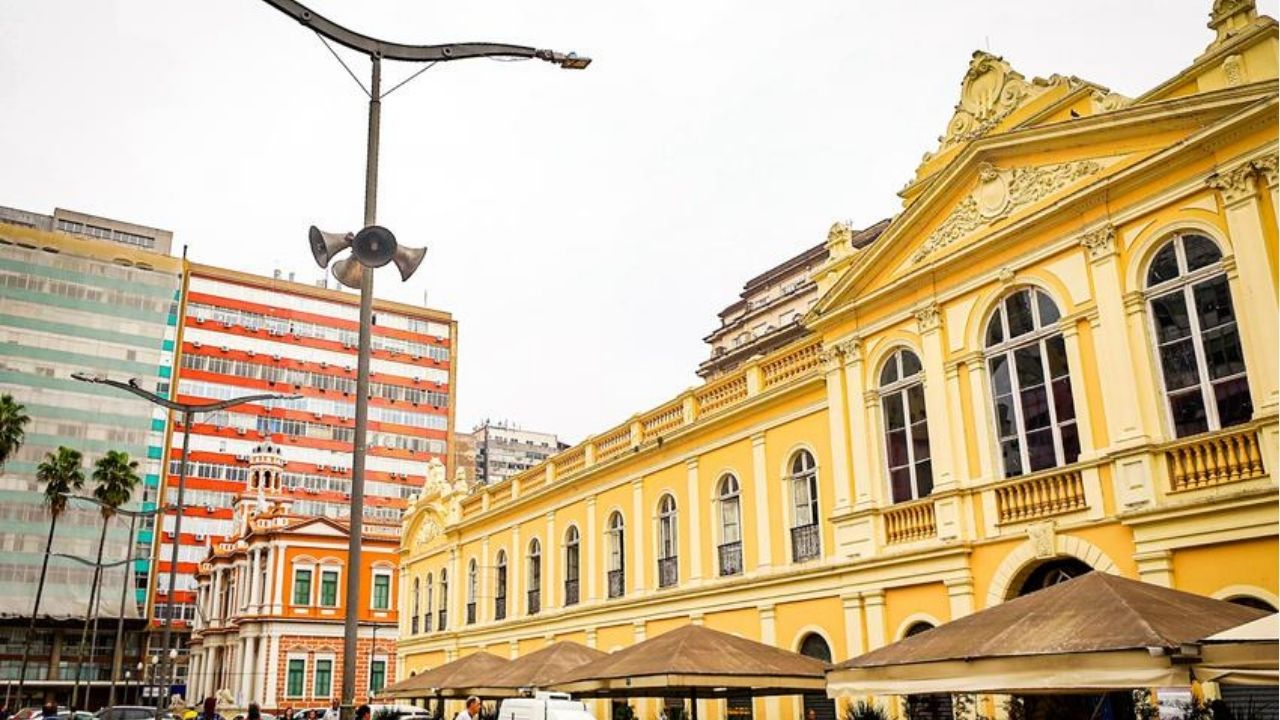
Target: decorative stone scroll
[
  {"x": 1100, "y": 242},
  {"x": 440, "y": 503},
  {"x": 929, "y": 317},
  {"x": 999, "y": 194}
]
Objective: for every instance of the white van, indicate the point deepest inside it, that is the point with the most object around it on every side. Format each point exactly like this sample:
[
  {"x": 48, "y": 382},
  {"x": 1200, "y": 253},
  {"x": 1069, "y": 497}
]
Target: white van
[{"x": 544, "y": 706}]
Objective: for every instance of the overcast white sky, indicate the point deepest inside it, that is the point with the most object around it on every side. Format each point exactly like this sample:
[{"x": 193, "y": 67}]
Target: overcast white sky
[{"x": 584, "y": 227}]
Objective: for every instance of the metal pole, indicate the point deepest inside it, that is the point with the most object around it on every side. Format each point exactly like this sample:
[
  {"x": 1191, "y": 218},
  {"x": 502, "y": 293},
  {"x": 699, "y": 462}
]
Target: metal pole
[
  {"x": 124, "y": 595},
  {"x": 351, "y": 627},
  {"x": 31, "y": 630},
  {"x": 173, "y": 562}
]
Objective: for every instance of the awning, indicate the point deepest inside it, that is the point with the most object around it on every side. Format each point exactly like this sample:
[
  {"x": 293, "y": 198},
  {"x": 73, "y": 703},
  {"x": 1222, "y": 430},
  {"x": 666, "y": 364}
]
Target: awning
[
  {"x": 1094, "y": 633},
  {"x": 695, "y": 661},
  {"x": 451, "y": 680},
  {"x": 537, "y": 669},
  {"x": 1243, "y": 655}
]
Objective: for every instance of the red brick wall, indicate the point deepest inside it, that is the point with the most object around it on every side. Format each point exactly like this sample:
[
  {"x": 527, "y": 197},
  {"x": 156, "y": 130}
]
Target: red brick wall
[{"x": 294, "y": 644}]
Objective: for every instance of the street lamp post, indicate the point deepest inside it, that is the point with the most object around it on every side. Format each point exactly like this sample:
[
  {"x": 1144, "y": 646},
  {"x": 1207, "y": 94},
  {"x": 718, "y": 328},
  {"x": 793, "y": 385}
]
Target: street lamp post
[
  {"x": 189, "y": 411},
  {"x": 375, "y": 246}
]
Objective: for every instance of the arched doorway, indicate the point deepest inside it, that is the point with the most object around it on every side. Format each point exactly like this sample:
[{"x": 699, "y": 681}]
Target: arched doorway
[
  {"x": 1052, "y": 572},
  {"x": 1252, "y": 602},
  {"x": 815, "y": 646},
  {"x": 935, "y": 706}
]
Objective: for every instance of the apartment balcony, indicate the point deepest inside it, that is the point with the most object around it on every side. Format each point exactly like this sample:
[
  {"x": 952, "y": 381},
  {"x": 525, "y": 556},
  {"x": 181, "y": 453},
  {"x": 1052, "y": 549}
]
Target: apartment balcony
[
  {"x": 730, "y": 558},
  {"x": 668, "y": 572},
  {"x": 617, "y": 583}
]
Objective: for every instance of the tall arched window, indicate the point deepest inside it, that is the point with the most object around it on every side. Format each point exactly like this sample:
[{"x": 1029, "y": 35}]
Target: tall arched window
[
  {"x": 535, "y": 576},
  {"x": 1030, "y": 384},
  {"x": 617, "y": 556},
  {"x": 668, "y": 543},
  {"x": 729, "y": 496},
  {"x": 413, "y": 619},
  {"x": 444, "y": 600},
  {"x": 1201, "y": 361},
  {"x": 815, "y": 646},
  {"x": 500, "y": 587},
  {"x": 906, "y": 427},
  {"x": 805, "y": 541},
  {"x": 430, "y": 606},
  {"x": 473, "y": 588},
  {"x": 571, "y": 565}
]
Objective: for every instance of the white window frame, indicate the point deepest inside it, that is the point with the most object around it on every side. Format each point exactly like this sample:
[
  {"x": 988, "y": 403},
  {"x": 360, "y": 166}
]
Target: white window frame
[
  {"x": 315, "y": 667},
  {"x": 668, "y": 528},
  {"x": 1184, "y": 283},
  {"x": 373, "y": 583},
  {"x": 386, "y": 670},
  {"x": 902, "y": 387},
  {"x": 617, "y": 542},
  {"x": 305, "y": 665},
  {"x": 721, "y": 498},
  {"x": 319, "y": 577},
  {"x": 293, "y": 584}
]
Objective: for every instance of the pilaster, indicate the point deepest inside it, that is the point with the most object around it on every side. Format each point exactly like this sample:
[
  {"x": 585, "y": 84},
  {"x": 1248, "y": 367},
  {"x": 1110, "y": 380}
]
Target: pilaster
[
  {"x": 929, "y": 323},
  {"x": 552, "y": 548},
  {"x": 764, "y": 524},
  {"x": 694, "y": 495},
  {"x": 838, "y": 426},
  {"x": 515, "y": 576},
  {"x": 640, "y": 520},
  {"x": 1155, "y": 567},
  {"x": 854, "y": 642},
  {"x": 592, "y": 542},
  {"x": 860, "y": 441},
  {"x": 873, "y": 607}
]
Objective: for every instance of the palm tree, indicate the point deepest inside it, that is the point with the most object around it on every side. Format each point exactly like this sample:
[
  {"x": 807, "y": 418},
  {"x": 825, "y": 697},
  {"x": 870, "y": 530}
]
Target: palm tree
[
  {"x": 116, "y": 477},
  {"x": 13, "y": 418},
  {"x": 62, "y": 474}
]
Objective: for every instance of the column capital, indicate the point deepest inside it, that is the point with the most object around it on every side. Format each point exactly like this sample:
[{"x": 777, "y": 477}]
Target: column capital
[
  {"x": 1237, "y": 183},
  {"x": 637, "y": 483},
  {"x": 551, "y": 516},
  {"x": 757, "y": 440},
  {"x": 928, "y": 317},
  {"x": 1266, "y": 168},
  {"x": 691, "y": 464},
  {"x": 873, "y": 597},
  {"x": 768, "y": 611},
  {"x": 591, "y": 501},
  {"x": 851, "y": 601},
  {"x": 1100, "y": 242}
]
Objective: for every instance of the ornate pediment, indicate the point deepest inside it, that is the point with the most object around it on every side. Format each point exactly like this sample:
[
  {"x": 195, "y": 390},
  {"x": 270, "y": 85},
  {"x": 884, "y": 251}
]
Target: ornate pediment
[
  {"x": 990, "y": 92},
  {"x": 999, "y": 194},
  {"x": 439, "y": 505}
]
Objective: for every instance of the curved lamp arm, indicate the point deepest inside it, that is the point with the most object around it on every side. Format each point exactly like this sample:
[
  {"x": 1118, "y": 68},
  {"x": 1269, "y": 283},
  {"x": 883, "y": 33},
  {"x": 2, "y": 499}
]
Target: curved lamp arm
[
  {"x": 179, "y": 407},
  {"x": 120, "y": 511},
  {"x": 411, "y": 53}
]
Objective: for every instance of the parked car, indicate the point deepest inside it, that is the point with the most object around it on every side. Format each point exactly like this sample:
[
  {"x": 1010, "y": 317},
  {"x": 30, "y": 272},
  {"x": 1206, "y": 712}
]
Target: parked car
[
  {"x": 544, "y": 706},
  {"x": 127, "y": 712},
  {"x": 265, "y": 716}
]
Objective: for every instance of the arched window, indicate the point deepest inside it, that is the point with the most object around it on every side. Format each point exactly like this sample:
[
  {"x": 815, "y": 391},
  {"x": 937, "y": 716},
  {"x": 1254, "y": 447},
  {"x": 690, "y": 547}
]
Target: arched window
[
  {"x": 1030, "y": 384},
  {"x": 1052, "y": 572},
  {"x": 668, "y": 543},
  {"x": 805, "y": 542},
  {"x": 728, "y": 495},
  {"x": 473, "y": 588},
  {"x": 535, "y": 576},
  {"x": 431, "y": 591},
  {"x": 617, "y": 556},
  {"x": 571, "y": 568},
  {"x": 500, "y": 587},
  {"x": 444, "y": 600},
  {"x": 1201, "y": 361},
  {"x": 906, "y": 429},
  {"x": 413, "y": 619},
  {"x": 933, "y": 705},
  {"x": 815, "y": 646}
]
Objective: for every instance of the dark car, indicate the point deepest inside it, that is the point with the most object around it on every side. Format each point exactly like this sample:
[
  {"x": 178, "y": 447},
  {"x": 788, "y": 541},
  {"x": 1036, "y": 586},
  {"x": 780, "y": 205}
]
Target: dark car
[{"x": 126, "y": 712}]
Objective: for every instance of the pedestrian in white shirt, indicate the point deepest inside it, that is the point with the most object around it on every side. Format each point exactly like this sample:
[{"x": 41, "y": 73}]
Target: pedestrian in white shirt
[
  {"x": 332, "y": 713},
  {"x": 472, "y": 711}
]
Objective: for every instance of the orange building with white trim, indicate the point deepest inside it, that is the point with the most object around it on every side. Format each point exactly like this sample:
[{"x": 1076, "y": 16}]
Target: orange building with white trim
[{"x": 270, "y": 602}]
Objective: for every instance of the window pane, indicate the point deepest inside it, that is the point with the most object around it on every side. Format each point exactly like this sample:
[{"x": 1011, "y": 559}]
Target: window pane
[
  {"x": 1048, "y": 310},
  {"x": 890, "y": 372},
  {"x": 1070, "y": 443},
  {"x": 1040, "y": 452},
  {"x": 1000, "y": 375},
  {"x": 894, "y": 418},
  {"x": 924, "y": 478},
  {"x": 1234, "y": 404},
  {"x": 1164, "y": 266},
  {"x": 896, "y": 440},
  {"x": 1056, "y": 352},
  {"x": 1035, "y": 408},
  {"x": 1170, "y": 313},
  {"x": 900, "y": 484},
  {"x": 995, "y": 333},
  {"x": 302, "y": 587},
  {"x": 1062, "y": 400},
  {"x": 1018, "y": 307},
  {"x": 1178, "y": 361},
  {"x": 1006, "y": 421},
  {"x": 1012, "y": 460},
  {"x": 910, "y": 363},
  {"x": 1201, "y": 251},
  {"x": 915, "y": 403},
  {"x": 1030, "y": 367},
  {"x": 1187, "y": 409},
  {"x": 1222, "y": 351},
  {"x": 1213, "y": 303},
  {"x": 920, "y": 442}
]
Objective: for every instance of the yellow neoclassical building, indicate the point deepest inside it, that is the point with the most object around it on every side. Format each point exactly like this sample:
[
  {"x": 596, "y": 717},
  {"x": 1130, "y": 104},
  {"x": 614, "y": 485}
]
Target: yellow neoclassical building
[{"x": 1060, "y": 356}]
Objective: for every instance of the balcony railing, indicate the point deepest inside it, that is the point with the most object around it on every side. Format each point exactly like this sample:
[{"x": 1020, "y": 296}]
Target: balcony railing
[
  {"x": 617, "y": 583},
  {"x": 668, "y": 571},
  {"x": 571, "y": 592},
  {"x": 1218, "y": 459},
  {"x": 444, "y": 620},
  {"x": 1040, "y": 497},
  {"x": 730, "y": 558},
  {"x": 905, "y": 523},
  {"x": 500, "y": 607},
  {"x": 471, "y": 613},
  {"x": 535, "y": 602},
  {"x": 805, "y": 543},
  {"x": 426, "y": 622}
]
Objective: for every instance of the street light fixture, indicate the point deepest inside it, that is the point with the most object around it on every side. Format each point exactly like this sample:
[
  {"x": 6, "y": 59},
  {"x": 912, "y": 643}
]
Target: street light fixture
[
  {"x": 375, "y": 246},
  {"x": 189, "y": 411}
]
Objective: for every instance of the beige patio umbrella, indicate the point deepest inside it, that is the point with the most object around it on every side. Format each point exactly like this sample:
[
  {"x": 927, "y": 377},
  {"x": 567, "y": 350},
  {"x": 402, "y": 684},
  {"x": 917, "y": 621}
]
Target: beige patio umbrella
[
  {"x": 537, "y": 669},
  {"x": 696, "y": 662},
  {"x": 1095, "y": 633},
  {"x": 1243, "y": 655},
  {"x": 451, "y": 680}
]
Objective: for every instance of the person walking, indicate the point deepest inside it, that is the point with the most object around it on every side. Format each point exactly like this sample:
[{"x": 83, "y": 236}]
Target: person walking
[
  {"x": 210, "y": 710},
  {"x": 471, "y": 711},
  {"x": 363, "y": 712},
  {"x": 255, "y": 712},
  {"x": 334, "y": 711}
]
